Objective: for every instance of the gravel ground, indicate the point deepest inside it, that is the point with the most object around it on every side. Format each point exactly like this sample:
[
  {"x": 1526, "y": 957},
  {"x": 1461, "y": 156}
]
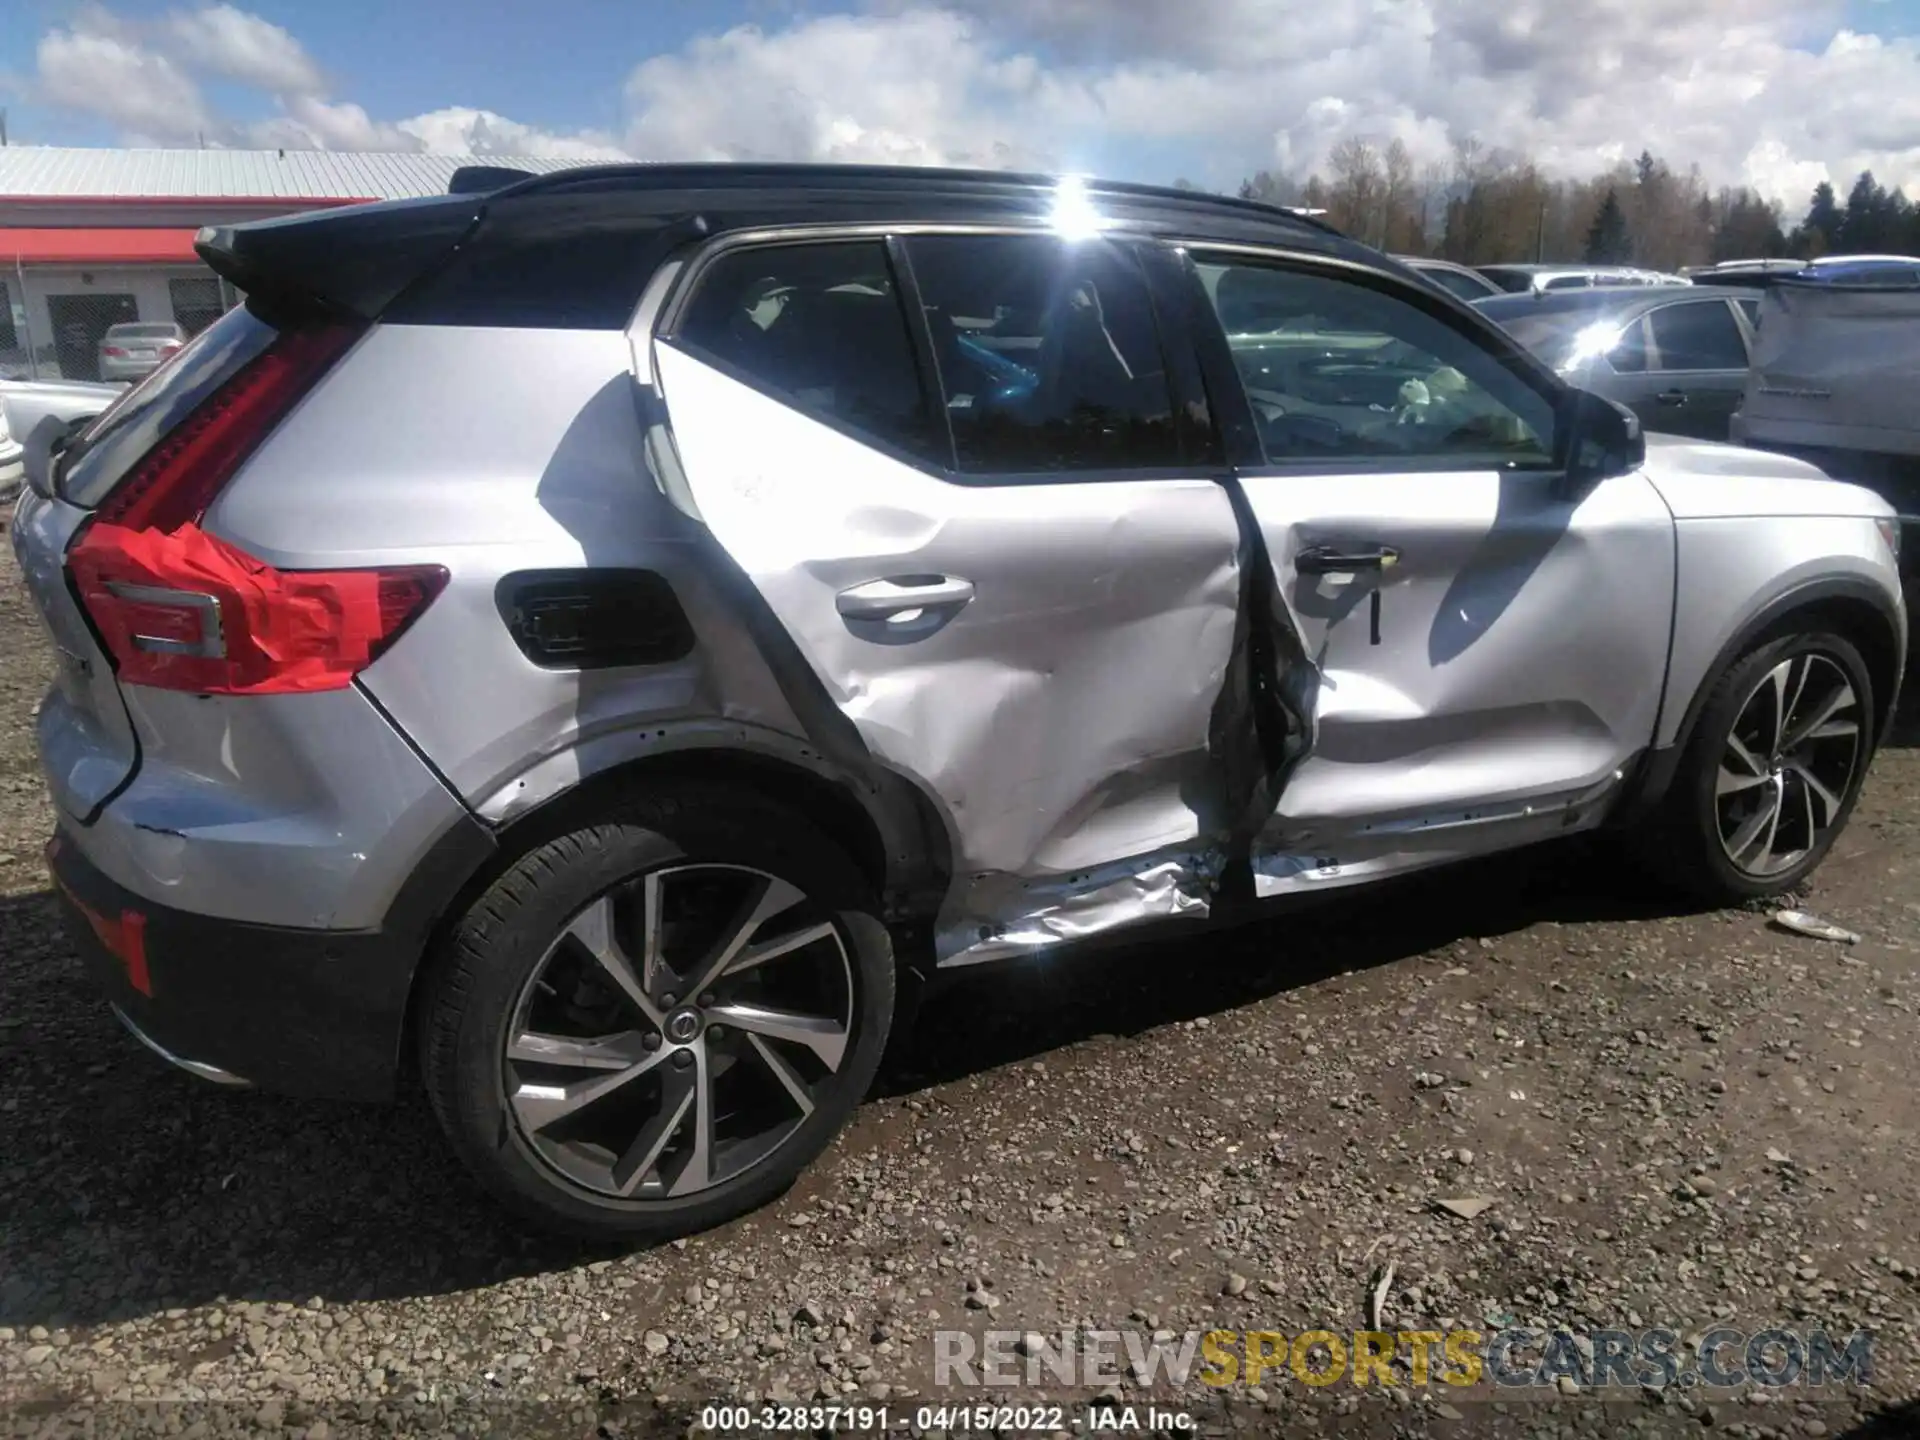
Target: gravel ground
[{"x": 1679, "y": 1120}]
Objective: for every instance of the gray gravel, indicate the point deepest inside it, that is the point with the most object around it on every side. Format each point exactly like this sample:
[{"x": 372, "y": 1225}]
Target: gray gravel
[{"x": 1678, "y": 1121}]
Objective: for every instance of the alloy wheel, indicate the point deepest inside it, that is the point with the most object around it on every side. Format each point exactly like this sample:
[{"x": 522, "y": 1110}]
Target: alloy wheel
[
  {"x": 1788, "y": 765},
  {"x": 679, "y": 1031}
]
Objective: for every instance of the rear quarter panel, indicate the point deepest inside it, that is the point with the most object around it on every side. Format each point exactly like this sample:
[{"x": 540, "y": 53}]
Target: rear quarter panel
[{"x": 492, "y": 450}]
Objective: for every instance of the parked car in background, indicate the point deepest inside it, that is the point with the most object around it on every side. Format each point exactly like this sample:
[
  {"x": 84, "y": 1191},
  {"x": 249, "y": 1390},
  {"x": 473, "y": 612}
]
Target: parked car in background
[
  {"x": 1827, "y": 270},
  {"x": 133, "y": 350},
  {"x": 1462, "y": 281},
  {"x": 1835, "y": 376},
  {"x": 1676, "y": 355},
  {"x": 11, "y": 452},
  {"x": 25, "y": 403},
  {"x": 889, "y": 571},
  {"x": 1522, "y": 279}
]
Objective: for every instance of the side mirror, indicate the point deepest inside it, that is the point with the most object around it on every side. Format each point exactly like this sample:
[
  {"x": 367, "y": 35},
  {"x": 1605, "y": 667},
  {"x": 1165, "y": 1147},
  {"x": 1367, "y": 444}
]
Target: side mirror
[
  {"x": 41, "y": 449},
  {"x": 1602, "y": 439}
]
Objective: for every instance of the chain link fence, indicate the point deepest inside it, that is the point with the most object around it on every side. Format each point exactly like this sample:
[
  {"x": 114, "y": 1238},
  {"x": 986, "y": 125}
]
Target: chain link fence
[{"x": 113, "y": 326}]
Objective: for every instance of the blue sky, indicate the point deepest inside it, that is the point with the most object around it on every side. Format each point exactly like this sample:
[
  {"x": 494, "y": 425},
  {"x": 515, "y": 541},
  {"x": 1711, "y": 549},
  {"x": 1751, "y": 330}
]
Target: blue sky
[{"x": 1770, "y": 92}]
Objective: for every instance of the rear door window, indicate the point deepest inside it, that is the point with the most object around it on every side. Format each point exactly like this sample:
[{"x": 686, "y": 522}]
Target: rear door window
[
  {"x": 821, "y": 326},
  {"x": 1048, "y": 354},
  {"x": 1697, "y": 335}
]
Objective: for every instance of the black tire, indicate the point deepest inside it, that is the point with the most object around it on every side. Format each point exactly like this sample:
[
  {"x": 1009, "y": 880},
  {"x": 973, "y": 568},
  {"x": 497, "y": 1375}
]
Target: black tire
[
  {"x": 477, "y": 978},
  {"x": 1683, "y": 838}
]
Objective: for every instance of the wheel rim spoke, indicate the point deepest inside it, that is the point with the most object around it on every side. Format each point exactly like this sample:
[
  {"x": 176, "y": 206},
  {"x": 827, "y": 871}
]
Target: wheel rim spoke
[
  {"x": 539, "y": 1106},
  {"x": 1829, "y": 802},
  {"x": 696, "y": 1170},
  {"x": 593, "y": 929},
  {"x": 782, "y": 1072},
  {"x": 603, "y": 1052},
  {"x": 1749, "y": 762},
  {"x": 1761, "y": 823},
  {"x": 761, "y": 951},
  {"x": 825, "y": 1038},
  {"x": 1731, "y": 784},
  {"x": 1778, "y": 680},
  {"x": 725, "y": 987},
  {"x": 1812, "y": 727},
  {"x": 637, "y": 1161},
  {"x": 769, "y": 898}
]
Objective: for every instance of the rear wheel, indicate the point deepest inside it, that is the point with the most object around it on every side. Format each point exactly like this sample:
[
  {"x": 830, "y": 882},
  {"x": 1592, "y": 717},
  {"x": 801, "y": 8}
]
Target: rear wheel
[
  {"x": 1772, "y": 772},
  {"x": 651, "y": 1025}
]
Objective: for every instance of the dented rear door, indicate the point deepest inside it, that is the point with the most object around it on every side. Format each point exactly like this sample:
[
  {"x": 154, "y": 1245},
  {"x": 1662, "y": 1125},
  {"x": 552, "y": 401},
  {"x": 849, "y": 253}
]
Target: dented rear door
[{"x": 981, "y": 534}]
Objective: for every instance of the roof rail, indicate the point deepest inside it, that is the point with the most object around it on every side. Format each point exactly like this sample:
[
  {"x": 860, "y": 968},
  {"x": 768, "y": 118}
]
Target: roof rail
[{"x": 672, "y": 174}]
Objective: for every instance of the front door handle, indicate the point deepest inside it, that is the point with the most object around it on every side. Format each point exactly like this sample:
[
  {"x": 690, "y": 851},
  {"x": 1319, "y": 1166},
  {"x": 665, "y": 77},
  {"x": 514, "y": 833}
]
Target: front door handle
[
  {"x": 901, "y": 595},
  {"x": 1672, "y": 397},
  {"x": 1345, "y": 559}
]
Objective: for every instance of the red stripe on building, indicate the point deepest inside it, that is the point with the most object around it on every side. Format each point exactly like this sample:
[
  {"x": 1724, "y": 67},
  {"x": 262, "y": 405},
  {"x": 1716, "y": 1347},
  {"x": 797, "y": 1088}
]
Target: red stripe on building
[{"x": 76, "y": 246}]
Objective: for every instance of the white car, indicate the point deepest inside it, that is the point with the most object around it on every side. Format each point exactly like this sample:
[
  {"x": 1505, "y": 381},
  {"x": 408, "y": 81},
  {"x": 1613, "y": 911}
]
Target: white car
[{"x": 11, "y": 468}]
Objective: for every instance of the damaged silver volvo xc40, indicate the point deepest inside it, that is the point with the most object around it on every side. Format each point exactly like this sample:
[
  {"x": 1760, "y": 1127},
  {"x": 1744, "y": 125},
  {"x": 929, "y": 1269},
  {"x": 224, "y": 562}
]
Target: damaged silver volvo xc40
[{"x": 602, "y": 635}]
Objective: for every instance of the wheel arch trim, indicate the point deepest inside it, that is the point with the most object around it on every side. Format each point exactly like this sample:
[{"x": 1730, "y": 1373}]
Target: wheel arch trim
[{"x": 1662, "y": 763}]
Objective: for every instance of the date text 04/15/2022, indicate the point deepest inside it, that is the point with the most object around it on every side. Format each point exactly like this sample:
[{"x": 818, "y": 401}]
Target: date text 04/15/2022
[{"x": 1095, "y": 1419}]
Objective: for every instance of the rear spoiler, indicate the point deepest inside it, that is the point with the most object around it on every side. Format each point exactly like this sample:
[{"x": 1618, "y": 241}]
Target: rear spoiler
[
  {"x": 480, "y": 179},
  {"x": 351, "y": 262}
]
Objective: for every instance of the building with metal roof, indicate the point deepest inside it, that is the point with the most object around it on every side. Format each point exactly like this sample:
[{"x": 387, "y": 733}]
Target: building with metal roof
[{"x": 90, "y": 238}]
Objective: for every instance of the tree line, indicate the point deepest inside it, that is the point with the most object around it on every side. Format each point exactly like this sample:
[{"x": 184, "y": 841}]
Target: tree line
[{"x": 1487, "y": 205}]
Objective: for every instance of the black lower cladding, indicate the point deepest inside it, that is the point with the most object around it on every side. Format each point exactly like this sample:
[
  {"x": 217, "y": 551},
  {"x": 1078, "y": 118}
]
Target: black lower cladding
[{"x": 317, "y": 1013}]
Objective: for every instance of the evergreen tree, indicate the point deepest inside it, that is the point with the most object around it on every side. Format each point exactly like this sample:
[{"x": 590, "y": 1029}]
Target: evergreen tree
[
  {"x": 1822, "y": 227},
  {"x": 1608, "y": 240}
]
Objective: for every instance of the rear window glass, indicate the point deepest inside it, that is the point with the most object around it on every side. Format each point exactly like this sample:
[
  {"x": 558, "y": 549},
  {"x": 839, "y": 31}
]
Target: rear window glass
[
  {"x": 1698, "y": 336},
  {"x": 1048, "y": 353},
  {"x": 141, "y": 332},
  {"x": 821, "y": 325},
  {"x": 106, "y": 450}
]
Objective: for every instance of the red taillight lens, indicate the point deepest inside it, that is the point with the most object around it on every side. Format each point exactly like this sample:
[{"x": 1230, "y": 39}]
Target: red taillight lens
[
  {"x": 180, "y": 609},
  {"x": 178, "y": 479},
  {"x": 188, "y": 611},
  {"x": 113, "y": 352}
]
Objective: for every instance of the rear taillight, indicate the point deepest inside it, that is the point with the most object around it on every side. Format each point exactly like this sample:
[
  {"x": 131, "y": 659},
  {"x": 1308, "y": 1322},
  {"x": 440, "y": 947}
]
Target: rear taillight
[
  {"x": 113, "y": 352},
  {"x": 177, "y": 480},
  {"x": 180, "y": 609},
  {"x": 188, "y": 611}
]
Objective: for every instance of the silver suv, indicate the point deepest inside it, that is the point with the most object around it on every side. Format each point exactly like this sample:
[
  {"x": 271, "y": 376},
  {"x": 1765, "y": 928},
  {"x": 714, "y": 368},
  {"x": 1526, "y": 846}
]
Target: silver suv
[{"x": 609, "y": 636}]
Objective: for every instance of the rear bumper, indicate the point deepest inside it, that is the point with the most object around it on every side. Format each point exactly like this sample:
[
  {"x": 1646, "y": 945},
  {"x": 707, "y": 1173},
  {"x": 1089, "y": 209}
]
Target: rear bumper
[{"x": 304, "y": 1012}]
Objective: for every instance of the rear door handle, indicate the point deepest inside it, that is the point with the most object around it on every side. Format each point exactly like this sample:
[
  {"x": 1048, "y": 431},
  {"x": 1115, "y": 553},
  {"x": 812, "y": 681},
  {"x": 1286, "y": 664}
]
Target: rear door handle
[
  {"x": 902, "y": 594},
  {"x": 1345, "y": 559},
  {"x": 1672, "y": 397}
]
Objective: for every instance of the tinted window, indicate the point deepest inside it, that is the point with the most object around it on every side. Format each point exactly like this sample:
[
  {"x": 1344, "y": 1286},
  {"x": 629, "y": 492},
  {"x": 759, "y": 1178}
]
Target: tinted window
[
  {"x": 822, "y": 325},
  {"x": 141, "y": 332},
  {"x": 1338, "y": 370},
  {"x": 1048, "y": 355},
  {"x": 1701, "y": 335},
  {"x": 1752, "y": 310},
  {"x": 1464, "y": 286},
  {"x": 1628, "y": 354}
]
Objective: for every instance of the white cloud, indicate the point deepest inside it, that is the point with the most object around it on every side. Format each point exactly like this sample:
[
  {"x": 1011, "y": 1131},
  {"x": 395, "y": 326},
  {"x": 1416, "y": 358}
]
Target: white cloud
[
  {"x": 244, "y": 47},
  {"x": 920, "y": 88},
  {"x": 1770, "y": 92},
  {"x": 459, "y": 129},
  {"x": 144, "y": 94}
]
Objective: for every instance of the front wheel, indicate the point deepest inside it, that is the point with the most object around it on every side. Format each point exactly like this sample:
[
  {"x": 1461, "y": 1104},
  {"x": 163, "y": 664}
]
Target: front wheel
[
  {"x": 654, "y": 1024},
  {"x": 1772, "y": 772}
]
